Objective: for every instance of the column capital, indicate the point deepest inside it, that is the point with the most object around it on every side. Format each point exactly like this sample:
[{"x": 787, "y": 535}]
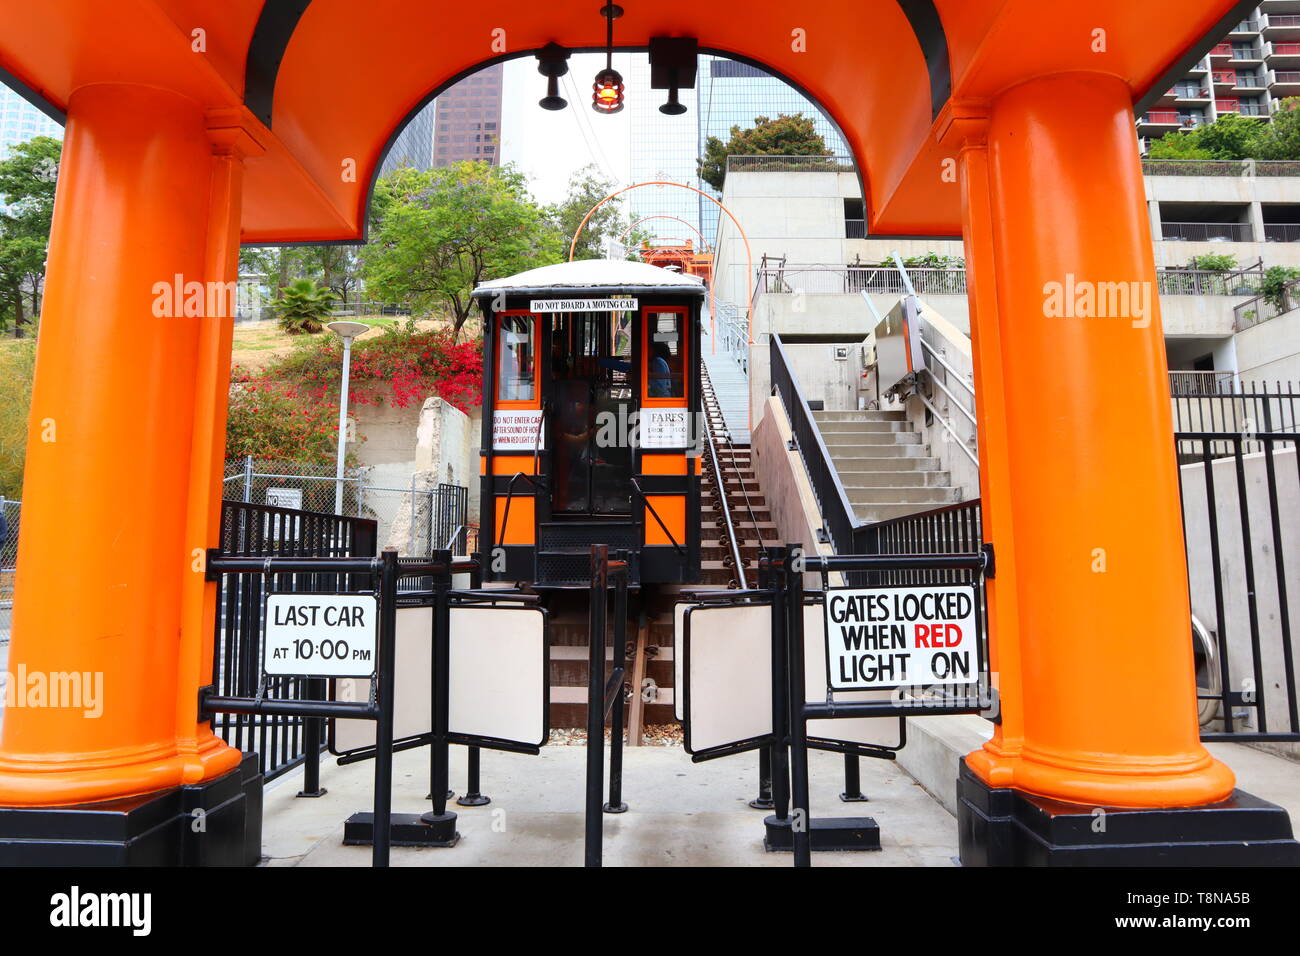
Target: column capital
[
  {"x": 963, "y": 124},
  {"x": 233, "y": 132}
]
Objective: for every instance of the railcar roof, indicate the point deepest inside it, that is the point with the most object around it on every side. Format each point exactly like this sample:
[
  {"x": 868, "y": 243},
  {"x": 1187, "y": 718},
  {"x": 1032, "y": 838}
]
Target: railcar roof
[{"x": 596, "y": 275}]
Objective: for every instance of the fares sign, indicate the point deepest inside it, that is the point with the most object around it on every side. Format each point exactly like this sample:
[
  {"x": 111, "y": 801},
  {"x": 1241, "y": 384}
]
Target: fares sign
[
  {"x": 895, "y": 636},
  {"x": 665, "y": 428}
]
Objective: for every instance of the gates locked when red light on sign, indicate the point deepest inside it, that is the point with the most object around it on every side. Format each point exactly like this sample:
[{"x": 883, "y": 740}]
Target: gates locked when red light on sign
[{"x": 892, "y": 636}]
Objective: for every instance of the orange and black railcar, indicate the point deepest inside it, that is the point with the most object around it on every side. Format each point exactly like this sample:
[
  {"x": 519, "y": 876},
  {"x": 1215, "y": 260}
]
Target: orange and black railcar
[{"x": 591, "y": 422}]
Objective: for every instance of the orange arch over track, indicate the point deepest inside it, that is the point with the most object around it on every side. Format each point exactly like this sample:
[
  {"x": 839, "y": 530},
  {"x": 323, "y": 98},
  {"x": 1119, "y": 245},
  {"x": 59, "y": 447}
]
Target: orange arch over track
[
  {"x": 749, "y": 258},
  {"x": 999, "y": 119},
  {"x": 699, "y": 235}
]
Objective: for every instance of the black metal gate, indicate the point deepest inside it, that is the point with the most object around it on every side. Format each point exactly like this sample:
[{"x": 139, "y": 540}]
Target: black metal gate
[
  {"x": 249, "y": 530},
  {"x": 1241, "y": 518},
  {"x": 449, "y": 523}
]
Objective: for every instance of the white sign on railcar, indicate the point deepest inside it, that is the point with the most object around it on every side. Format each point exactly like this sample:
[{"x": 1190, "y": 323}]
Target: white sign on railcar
[
  {"x": 320, "y": 635},
  {"x": 665, "y": 428},
  {"x": 581, "y": 305},
  {"x": 893, "y": 636},
  {"x": 517, "y": 430}
]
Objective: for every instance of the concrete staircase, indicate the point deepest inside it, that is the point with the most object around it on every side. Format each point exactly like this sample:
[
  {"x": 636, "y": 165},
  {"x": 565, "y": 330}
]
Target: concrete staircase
[{"x": 885, "y": 469}]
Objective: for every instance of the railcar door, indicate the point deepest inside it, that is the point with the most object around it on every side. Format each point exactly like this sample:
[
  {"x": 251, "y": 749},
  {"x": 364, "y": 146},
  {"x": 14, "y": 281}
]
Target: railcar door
[{"x": 594, "y": 400}]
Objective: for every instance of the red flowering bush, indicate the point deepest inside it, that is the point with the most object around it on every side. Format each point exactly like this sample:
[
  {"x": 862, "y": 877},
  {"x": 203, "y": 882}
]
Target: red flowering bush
[
  {"x": 402, "y": 366},
  {"x": 290, "y": 411},
  {"x": 270, "y": 419}
]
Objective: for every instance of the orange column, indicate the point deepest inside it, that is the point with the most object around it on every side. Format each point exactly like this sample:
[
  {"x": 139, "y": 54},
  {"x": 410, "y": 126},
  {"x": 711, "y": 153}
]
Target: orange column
[
  {"x": 1066, "y": 290},
  {"x": 964, "y": 128},
  {"x": 104, "y": 545}
]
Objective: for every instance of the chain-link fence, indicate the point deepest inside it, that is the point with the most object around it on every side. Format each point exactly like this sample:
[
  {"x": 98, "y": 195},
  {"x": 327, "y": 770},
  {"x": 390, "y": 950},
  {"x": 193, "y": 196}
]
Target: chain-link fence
[
  {"x": 416, "y": 519},
  {"x": 10, "y": 513}
]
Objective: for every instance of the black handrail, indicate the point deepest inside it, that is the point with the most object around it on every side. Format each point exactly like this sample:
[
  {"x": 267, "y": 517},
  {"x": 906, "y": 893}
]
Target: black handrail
[
  {"x": 510, "y": 494},
  {"x": 651, "y": 508},
  {"x": 836, "y": 509}
]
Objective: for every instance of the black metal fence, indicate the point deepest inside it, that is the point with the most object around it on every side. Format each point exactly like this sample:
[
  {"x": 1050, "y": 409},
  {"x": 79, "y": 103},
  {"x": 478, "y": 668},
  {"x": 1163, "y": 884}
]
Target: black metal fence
[
  {"x": 249, "y": 530},
  {"x": 449, "y": 522},
  {"x": 1241, "y": 520}
]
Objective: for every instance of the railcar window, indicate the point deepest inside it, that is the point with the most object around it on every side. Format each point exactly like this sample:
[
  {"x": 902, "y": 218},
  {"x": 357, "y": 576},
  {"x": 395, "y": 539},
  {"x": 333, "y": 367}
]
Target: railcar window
[
  {"x": 664, "y": 362},
  {"x": 515, "y": 359}
]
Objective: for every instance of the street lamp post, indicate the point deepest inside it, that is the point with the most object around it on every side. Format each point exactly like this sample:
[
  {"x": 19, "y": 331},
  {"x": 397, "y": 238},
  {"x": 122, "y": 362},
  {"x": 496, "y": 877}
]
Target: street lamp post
[{"x": 347, "y": 331}]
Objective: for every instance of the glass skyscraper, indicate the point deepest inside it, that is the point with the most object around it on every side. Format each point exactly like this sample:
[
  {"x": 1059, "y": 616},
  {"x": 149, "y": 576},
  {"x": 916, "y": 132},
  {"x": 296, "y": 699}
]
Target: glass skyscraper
[
  {"x": 732, "y": 93},
  {"x": 414, "y": 145},
  {"x": 664, "y": 149}
]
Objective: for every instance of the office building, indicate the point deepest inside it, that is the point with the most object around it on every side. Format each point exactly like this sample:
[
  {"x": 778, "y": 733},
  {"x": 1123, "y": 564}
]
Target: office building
[{"x": 468, "y": 124}]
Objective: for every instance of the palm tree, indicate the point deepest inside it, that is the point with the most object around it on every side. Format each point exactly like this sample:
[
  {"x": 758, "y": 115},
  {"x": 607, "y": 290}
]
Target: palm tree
[{"x": 301, "y": 305}]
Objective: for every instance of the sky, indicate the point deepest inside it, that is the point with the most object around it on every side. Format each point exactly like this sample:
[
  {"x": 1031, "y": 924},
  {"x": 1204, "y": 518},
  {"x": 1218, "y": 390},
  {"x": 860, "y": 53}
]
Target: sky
[{"x": 572, "y": 137}]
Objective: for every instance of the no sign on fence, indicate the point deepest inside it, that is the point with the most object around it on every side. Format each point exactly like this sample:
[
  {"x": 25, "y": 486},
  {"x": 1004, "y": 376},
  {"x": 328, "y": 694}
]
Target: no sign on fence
[{"x": 891, "y": 636}]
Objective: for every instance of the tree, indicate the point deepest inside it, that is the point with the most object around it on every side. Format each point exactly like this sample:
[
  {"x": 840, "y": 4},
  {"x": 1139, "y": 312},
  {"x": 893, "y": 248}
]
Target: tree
[
  {"x": 337, "y": 268},
  {"x": 28, "y": 177},
  {"x": 302, "y": 305},
  {"x": 1280, "y": 138},
  {"x": 17, "y": 369},
  {"x": 1236, "y": 137},
  {"x": 438, "y": 233},
  {"x": 586, "y": 188},
  {"x": 787, "y": 135}
]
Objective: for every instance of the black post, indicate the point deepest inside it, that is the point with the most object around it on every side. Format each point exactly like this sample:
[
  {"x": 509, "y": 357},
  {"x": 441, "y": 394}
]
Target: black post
[
  {"x": 616, "y": 804},
  {"x": 596, "y": 703},
  {"x": 314, "y": 688},
  {"x": 382, "y": 829},
  {"x": 472, "y": 797},
  {"x": 438, "y": 746},
  {"x": 780, "y": 713},
  {"x": 852, "y": 780},
  {"x": 764, "y": 799},
  {"x": 801, "y": 818}
]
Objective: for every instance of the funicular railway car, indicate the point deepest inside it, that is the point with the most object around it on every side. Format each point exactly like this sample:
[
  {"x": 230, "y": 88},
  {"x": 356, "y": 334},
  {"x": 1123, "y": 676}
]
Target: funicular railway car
[{"x": 591, "y": 417}]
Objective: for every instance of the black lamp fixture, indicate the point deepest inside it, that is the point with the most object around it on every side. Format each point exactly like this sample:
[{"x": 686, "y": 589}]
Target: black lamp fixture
[
  {"x": 607, "y": 91},
  {"x": 552, "y": 63},
  {"x": 673, "y": 67}
]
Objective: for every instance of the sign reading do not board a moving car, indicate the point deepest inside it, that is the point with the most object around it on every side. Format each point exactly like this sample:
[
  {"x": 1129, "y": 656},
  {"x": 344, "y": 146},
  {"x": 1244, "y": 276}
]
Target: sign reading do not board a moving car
[
  {"x": 320, "y": 635},
  {"x": 893, "y": 636}
]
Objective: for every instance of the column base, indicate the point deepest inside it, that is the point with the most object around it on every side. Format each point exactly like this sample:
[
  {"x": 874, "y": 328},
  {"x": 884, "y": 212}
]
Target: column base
[
  {"x": 405, "y": 829},
  {"x": 1008, "y": 827},
  {"x": 155, "y": 829},
  {"x": 841, "y": 834}
]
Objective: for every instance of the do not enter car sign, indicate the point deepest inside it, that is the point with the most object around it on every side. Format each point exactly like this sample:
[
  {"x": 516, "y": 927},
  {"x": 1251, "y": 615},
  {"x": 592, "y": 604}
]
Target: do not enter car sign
[{"x": 894, "y": 636}]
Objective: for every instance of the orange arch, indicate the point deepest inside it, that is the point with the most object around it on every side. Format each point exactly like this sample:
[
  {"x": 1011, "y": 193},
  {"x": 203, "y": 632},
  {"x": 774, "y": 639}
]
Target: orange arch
[{"x": 703, "y": 244}]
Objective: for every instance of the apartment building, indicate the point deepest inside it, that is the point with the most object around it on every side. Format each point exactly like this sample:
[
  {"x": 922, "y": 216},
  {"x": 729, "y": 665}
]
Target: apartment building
[
  {"x": 1248, "y": 72},
  {"x": 809, "y": 261}
]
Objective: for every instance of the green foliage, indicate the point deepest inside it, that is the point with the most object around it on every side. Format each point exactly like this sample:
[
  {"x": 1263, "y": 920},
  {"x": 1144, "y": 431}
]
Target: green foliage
[
  {"x": 1276, "y": 280},
  {"x": 586, "y": 188},
  {"x": 28, "y": 177},
  {"x": 1184, "y": 144},
  {"x": 932, "y": 260},
  {"x": 273, "y": 419},
  {"x": 17, "y": 364},
  {"x": 786, "y": 135},
  {"x": 438, "y": 233},
  {"x": 1280, "y": 138},
  {"x": 1236, "y": 137},
  {"x": 1213, "y": 263},
  {"x": 302, "y": 306}
]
